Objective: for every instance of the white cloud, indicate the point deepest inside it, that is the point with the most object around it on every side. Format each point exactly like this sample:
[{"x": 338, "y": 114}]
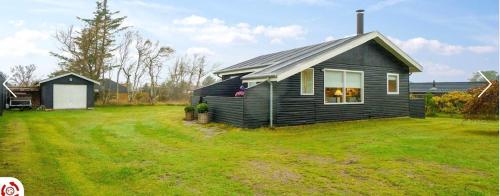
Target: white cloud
[
  {"x": 192, "y": 20},
  {"x": 218, "y": 32},
  {"x": 23, "y": 43},
  {"x": 442, "y": 70},
  {"x": 277, "y": 34},
  {"x": 200, "y": 51},
  {"x": 17, "y": 23},
  {"x": 436, "y": 46},
  {"x": 383, "y": 4}
]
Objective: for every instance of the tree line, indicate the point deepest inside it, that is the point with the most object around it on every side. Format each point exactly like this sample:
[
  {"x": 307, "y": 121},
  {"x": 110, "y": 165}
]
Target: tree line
[{"x": 102, "y": 48}]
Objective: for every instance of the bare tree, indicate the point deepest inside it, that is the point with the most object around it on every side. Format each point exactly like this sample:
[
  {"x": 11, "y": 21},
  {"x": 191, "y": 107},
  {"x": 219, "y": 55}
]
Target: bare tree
[
  {"x": 201, "y": 66},
  {"x": 123, "y": 60},
  {"x": 23, "y": 75},
  {"x": 153, "y": 62},
  {"x": 137, "y": 70}
]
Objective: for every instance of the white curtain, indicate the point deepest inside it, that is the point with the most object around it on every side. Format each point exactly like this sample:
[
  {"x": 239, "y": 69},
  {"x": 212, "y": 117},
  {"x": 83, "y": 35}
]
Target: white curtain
[
  {"x": 334, "y": 79},
  {"x": 353, "y": 80}
]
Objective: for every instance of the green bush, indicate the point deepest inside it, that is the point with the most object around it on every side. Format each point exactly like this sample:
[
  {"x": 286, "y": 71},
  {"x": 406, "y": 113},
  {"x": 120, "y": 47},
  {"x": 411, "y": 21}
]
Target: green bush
[
  {"x": 430, "y": 105},
  {"x": 484, "y": 107},
  {"x": 202, "y": 108},
  {"x": 452, "y": 102},
  {"x": 189, "y": 108}
]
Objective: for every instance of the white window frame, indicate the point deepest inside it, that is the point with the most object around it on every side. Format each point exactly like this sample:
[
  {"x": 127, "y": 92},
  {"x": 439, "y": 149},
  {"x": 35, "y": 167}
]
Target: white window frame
[
  {"x": 301, "y": 83},
  {"x": 344, "y": 72},
  {"x": 397, "y": 84}
]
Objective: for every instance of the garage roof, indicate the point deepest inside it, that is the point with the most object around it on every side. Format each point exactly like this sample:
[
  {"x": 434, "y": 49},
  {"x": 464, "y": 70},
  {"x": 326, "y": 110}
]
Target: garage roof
[{"x": 67, "y": 74}]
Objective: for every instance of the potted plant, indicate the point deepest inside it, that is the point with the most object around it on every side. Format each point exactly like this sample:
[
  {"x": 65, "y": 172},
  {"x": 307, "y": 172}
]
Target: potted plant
[
  {"x": 202, "y": 110},
  {"x": 189, "y": 110}
]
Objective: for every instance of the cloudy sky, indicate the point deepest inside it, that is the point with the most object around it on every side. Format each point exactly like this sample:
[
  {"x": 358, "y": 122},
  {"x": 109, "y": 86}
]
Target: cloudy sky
[{"x": 451, "y": 39}]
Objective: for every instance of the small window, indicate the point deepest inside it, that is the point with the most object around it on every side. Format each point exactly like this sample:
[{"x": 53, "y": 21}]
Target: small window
[
  {"x": 307, "y": 82},
  {"x": 251, "y": 84},
  {"x": 392, "y": 83}
]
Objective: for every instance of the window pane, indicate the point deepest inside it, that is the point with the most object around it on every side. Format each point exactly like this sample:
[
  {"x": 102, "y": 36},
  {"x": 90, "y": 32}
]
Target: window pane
[
  {"x": 333, "y": 95},
  {"x": 353, "y": 95},
  {"x": 334, "y": 79},
  {"x": 353, "y": 80},
  {"x": 307, "y": 81},
  {"x": 392, "y": 83}
]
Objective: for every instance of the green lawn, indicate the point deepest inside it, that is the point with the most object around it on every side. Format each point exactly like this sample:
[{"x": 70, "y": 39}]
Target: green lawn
[{"x": 150, "y": 150}]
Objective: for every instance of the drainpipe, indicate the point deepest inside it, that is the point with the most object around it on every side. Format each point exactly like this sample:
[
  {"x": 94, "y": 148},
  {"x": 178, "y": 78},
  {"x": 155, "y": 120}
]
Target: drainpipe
[{"x": 270, "y": 104}]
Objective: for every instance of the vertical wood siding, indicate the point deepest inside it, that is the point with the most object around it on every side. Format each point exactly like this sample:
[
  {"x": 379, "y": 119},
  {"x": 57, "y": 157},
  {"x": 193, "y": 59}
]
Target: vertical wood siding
[
  {"x": 374, "y": 61},
  {"x": 226, "y": 109},
  {"x": 256, "y": 106},
  {"x": 417, "y": 108}
]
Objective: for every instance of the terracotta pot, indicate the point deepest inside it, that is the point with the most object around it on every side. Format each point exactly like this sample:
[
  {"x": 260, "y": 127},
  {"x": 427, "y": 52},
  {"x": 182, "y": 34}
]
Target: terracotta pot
[
  {"x": 203, "y": 118},
  {"x": 189, "y": 116}
]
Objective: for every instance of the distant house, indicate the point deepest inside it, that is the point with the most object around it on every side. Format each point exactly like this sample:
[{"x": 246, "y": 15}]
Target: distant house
[
  {"x": 357, "y": 77},
  {"x": 419, "y": 89},
  {"x": 111, "y": 86}
]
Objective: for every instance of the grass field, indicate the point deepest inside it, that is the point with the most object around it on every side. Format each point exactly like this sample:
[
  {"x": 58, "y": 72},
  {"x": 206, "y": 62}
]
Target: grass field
[{"x": 150, "y": 150}]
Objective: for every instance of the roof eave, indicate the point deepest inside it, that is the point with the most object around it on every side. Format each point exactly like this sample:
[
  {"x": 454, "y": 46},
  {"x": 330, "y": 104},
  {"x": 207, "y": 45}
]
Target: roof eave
[{"x": 67, "y": 74}]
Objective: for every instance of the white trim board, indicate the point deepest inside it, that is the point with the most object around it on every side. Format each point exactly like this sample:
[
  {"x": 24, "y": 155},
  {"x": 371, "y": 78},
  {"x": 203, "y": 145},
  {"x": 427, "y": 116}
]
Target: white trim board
[
  {"x": 378, "y": 37},
  {"x": 307, "y": 63},
  {"x": 301, "y": 83},
  {"x": 67, "y": 74},
  {"x": 344, "y": 72},
  {"x": 397, "y": 84}
]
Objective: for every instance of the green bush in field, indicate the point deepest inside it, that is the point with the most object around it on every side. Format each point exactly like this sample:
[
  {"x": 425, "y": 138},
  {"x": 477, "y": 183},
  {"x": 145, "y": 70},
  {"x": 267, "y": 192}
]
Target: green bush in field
[
  {"x": 430, "y": 105},
  {"x": 484, "y": 107},
  {"x": 452, "y": 102},
  {"x": 202, "y": 108},
  {"x": 189, "y": 108}
]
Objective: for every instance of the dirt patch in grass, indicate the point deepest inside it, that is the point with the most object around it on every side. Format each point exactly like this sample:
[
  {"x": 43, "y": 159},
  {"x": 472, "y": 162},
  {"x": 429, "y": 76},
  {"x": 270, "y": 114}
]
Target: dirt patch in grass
[
  {"x": 316, "y": 159},
  {"x": 207, "y": 131},
  {"x": 277, "y": 174},
  {"x": 263, "y": 177}
]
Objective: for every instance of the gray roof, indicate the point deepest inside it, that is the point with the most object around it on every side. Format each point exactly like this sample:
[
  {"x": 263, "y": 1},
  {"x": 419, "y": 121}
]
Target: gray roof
[
  {"x": 289, "y": 61},
  {"x": 110, "y": 85},
  {"x": 443, "y": 87},
  {"x": 266, "y": 61}
]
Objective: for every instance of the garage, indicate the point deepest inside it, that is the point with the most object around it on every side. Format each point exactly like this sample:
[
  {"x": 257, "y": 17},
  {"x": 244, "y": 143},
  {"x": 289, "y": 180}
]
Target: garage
[{"x": 68, "y": 91}]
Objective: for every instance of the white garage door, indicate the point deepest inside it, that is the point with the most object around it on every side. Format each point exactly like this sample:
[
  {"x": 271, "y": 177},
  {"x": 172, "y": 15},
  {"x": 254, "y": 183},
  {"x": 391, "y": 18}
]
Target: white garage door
[{"x": 70, "y": 96}]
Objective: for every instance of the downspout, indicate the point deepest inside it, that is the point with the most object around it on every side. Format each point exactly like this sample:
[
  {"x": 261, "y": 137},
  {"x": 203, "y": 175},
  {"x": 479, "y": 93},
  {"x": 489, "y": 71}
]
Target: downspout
[{"x": 270, "y": 104}]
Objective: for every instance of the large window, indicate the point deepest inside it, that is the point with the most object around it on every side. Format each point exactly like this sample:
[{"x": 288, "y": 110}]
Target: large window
[
  {"x": 343, "y": 86},
  {"x": 307, "y": 82},
  {"x": 392, "y": 83}
]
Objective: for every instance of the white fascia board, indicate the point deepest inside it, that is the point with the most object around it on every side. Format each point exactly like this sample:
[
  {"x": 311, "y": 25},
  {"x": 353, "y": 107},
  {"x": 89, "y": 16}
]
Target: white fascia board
[
  {"x": 400, "y": 54},
  {"x": 67, "y": 74},
  {"x": 330, "y": 54},
  {"x": 386, "y": 43}
]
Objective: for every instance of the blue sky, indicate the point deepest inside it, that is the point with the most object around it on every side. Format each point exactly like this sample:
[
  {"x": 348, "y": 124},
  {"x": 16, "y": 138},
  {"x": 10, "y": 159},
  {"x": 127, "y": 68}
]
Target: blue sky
[{"x": 451, "y": 39}]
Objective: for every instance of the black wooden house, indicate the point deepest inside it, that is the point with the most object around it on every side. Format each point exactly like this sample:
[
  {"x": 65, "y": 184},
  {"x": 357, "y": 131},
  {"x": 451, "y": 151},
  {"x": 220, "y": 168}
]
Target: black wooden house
[{"x": 358, "y": 77}]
